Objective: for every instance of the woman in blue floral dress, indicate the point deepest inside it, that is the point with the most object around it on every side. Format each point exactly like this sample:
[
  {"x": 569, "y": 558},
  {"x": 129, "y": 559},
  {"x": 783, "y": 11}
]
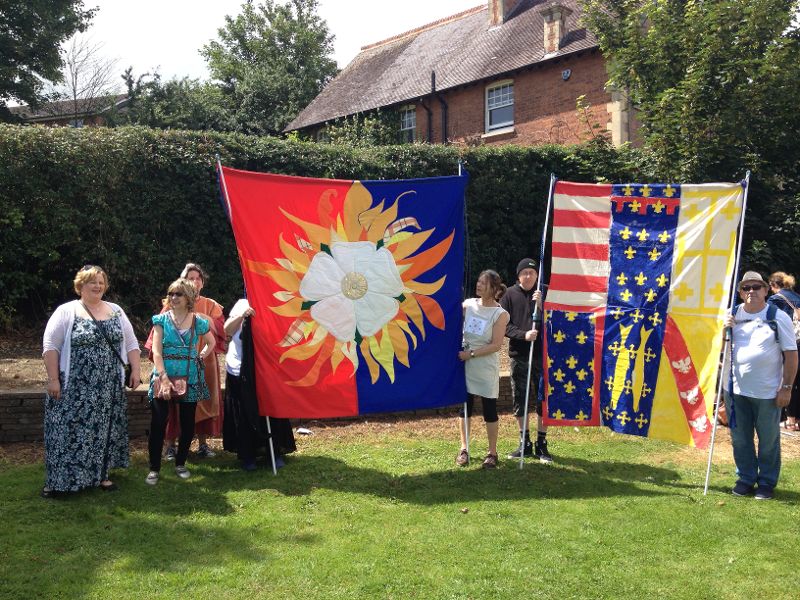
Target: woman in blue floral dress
[
  {"x": 85, "y": 344},
  {"x": 175, "y": 341}
]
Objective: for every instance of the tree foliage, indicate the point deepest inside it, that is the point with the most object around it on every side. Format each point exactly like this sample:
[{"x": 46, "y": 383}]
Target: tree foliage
[
  {"x": 272, "y": 60},
  {"x": 31, "y": 33},
  {"x": 142, "y": 202},
  {"x": 715, "y": 84},
  {"x": 376, "y": 128},
  {"x": 175, "y": 104}
]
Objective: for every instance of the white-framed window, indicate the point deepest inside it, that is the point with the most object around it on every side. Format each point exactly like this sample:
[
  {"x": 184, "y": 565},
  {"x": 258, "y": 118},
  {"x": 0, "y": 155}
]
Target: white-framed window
[
  {"x": 499, "y": 105},
  {"x": 408, "y": 124}
]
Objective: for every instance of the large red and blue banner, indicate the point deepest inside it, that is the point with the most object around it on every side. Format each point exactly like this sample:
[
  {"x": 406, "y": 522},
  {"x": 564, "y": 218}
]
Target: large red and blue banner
[
  {"x": 641, "y": 279},
  {"x": 357, "y": 289}
]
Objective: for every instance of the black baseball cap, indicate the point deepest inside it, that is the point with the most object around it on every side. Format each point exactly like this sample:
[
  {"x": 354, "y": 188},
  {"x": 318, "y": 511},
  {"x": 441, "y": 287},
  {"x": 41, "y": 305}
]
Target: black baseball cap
[{"x": 527, "y": 263}]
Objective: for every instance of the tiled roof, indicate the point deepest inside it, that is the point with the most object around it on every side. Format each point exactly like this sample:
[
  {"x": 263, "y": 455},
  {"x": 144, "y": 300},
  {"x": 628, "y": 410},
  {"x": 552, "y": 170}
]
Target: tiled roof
[
  {"x": 62, "y": 109},
  {"x": 460, "y": 49}
]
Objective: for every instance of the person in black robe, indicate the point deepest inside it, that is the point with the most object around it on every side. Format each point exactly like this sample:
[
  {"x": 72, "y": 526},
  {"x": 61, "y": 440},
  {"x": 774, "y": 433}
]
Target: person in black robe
[{"x": 244, "y": 429}]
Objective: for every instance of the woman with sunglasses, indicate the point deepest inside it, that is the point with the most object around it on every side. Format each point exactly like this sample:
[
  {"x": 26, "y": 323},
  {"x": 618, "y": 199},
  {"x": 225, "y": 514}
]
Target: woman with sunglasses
[
  {"x": 176, "y": 337},
  {"x": 86, "y": 344},
  {"x": 208, "y": 416}
]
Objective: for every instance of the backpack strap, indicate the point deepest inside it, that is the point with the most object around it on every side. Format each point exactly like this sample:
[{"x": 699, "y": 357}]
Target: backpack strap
[{"x": 772, "y": 312}]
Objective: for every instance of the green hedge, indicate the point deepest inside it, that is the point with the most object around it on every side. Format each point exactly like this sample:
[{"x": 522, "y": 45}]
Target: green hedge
[{"x": 143, "y": 202}]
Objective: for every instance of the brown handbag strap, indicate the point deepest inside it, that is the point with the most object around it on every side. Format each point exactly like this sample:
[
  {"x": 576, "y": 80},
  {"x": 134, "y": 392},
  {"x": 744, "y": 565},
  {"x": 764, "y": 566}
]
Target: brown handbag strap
[
  {"x": 785, "y": 299},
  {"x": 189, "y": 349}
]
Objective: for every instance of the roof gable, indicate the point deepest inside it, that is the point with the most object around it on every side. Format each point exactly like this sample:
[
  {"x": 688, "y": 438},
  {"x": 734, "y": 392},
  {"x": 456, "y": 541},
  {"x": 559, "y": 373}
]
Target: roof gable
[{"x": 461, "y": 49}]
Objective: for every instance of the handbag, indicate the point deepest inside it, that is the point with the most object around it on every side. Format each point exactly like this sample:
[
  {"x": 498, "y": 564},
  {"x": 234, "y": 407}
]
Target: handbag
[
  {"x": 179, "y": 383},
  {"x": 125, "y": 366}
]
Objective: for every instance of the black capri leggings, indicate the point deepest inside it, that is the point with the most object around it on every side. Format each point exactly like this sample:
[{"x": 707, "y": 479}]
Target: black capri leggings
[
  {"x": 489, "y": 408},
  {"x": 158, "y": 427}
]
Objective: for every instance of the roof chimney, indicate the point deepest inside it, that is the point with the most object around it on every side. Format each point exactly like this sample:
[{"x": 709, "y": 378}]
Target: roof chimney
[
  {"x": 555, "y": 26},
  {"x": 499, "y": 10}
]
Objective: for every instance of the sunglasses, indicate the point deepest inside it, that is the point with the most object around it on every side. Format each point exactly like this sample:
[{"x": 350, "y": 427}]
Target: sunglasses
[
  {"x": 175, "y": 294},
  {"x": 750, "y": 288}
]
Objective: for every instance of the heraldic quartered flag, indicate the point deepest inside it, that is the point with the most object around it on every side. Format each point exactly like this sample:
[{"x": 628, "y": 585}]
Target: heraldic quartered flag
[
  {"x": 640, "y": 282},
  {"x": 357, "y": 291}
]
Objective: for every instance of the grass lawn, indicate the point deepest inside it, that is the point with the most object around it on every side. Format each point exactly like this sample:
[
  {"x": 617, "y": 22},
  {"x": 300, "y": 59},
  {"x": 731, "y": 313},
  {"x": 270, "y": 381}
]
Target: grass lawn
[{"x": 379, "y": 510}]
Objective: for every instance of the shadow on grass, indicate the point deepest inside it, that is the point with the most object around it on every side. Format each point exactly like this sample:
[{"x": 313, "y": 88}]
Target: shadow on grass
[
  {"x": 781, "y": 494},
  {"x": 571, "y": 478},
  {"x": 153, "y": 534}
]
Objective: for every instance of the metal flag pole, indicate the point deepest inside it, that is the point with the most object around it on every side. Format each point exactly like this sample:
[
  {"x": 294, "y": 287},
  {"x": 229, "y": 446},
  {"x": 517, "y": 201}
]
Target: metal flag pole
[
  {"x": 271, "y": 447},
  {"x": 223, "y": 191},
  {"x": 466, "y": 429},
  {"x": 727, "y": 350},
  {"x": 467, "y": 268},
  {"x": 534, "y": 318}
]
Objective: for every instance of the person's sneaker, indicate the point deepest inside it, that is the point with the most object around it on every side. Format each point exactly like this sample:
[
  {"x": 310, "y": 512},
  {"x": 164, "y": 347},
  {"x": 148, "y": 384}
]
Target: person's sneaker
[
  {"x": 462, "y": 460},
  {"x": 742, "y": 489},
  {"x": 249, "y": 465},
  {"x": 764, "y": 492},
  {"x": 527, "y": 452},
  {"x": 279, "y": 462},
  {"x": 152, "y": 478},
  {"x": 490, "y": 462},
  {"x": 171, "y": 453},
  {"x": 205, "y": 452},
  {"x": 182, "y": 472},
  {"x": 540, "y": 451}
]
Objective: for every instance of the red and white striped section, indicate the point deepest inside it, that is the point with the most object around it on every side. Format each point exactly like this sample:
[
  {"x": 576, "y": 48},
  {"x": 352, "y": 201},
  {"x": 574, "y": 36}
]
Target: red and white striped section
[{"x": 581, "y": 229}]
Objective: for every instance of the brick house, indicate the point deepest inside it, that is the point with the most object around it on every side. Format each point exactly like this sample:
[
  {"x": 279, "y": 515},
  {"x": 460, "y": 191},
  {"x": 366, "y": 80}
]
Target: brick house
[
  {"x": 508, "y": 71},
  {"x": 83, "y": 112}
]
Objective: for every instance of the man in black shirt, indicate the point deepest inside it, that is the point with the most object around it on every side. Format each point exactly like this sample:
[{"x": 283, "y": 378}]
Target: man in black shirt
[{"x": 519, "y": 301}]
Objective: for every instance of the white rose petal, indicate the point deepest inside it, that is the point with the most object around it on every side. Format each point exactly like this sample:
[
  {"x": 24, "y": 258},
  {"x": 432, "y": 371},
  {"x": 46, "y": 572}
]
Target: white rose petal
[
  {"x": 337, "y": 314},
  {"x": 323, "y": 279},
  {"x": 373, "y": 311}
]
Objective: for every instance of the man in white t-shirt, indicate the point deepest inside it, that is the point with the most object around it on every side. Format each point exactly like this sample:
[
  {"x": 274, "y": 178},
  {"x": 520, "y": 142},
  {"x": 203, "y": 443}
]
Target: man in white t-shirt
[{"x": 764, "y": 359}]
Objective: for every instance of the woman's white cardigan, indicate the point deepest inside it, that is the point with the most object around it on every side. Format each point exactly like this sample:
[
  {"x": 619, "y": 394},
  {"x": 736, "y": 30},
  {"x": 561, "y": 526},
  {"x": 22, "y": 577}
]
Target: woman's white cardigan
[{"x": 57, "y": 335}]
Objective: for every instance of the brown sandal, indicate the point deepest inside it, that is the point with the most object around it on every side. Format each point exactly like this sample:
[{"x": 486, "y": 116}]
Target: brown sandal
[
  {"x": 490, "y": 462},
  {"x": 462, "y": 460}
]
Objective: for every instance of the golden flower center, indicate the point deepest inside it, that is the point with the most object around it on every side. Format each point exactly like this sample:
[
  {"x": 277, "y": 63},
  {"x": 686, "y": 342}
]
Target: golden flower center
[{"x": 354, "y": 286}]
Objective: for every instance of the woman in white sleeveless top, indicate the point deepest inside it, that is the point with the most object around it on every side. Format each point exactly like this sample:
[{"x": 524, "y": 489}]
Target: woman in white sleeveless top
[{"x": 484, "y": 328}]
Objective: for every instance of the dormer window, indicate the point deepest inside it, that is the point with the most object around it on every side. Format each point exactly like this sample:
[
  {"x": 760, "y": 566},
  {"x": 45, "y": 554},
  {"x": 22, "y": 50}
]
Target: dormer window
[{"x": 499, "y": 105}]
